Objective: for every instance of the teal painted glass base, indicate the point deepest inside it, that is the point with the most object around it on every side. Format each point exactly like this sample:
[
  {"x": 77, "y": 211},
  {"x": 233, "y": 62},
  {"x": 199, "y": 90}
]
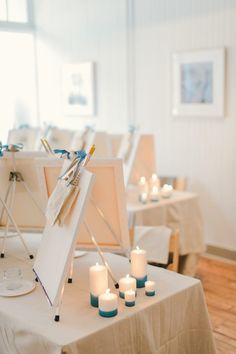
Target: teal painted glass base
[
  {"x": 150, "y": 293},
  {"x": 94, "y": 300},
  {"x": 141, "y": 282},
  {"x": 129, "y": 303},
  {"x": 108, "y": 313}
]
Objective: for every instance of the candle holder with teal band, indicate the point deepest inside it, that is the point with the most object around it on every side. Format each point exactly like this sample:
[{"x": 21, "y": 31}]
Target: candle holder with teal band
[
  {"x": 129, "y": 303},
  {"x": 93, "y": 300},
  {"x": 150, "y": 293},
  {"x": 141, "y": 282},
  {"x": 111, "y": 313}
]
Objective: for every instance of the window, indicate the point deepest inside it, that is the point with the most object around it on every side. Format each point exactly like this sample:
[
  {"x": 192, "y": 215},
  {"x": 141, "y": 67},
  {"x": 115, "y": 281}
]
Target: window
[
  {"x": 18, "y": 100},
  {"x": 14, "y": 11}
]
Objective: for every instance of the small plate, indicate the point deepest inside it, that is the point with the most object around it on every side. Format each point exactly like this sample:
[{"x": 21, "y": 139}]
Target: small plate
[
  {"x": 9, "y": 288},
  {"x": 78, "y": 253}
]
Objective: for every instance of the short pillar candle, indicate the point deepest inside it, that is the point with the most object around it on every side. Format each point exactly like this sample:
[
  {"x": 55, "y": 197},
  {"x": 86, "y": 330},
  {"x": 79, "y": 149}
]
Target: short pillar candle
[
  {"x": 98, "y": 282},
  {"x": 150, "y": 288},
  {"x": 126, "y": 283},
  {"x": 139, "y": 266},
  {"x": 108, "y": 304},
  {"x": 166, "y": 191},
  {"x": 130, "y": 297}
]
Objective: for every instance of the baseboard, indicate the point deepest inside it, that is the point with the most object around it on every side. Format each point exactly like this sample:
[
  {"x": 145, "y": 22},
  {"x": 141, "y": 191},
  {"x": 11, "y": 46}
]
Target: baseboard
[{"x": 221, "y": 252}]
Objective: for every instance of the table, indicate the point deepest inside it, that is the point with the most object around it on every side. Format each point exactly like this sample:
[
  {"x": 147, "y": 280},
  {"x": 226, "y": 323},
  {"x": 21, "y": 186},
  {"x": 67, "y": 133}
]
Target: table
[
  {"x": 174, "y": 321},
  {"x": 180, "y": 211}
]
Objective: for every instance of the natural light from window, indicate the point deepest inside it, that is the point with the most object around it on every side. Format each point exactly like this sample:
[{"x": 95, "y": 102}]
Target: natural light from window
[
  {"x": 13, "y": 11},
  {"x": 17, "y": 83}
]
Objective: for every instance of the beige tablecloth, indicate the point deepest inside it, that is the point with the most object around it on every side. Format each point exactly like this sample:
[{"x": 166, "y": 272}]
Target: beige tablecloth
[
  {"x": 174, "y": 322},
  {"x": 180, "y": 211}
]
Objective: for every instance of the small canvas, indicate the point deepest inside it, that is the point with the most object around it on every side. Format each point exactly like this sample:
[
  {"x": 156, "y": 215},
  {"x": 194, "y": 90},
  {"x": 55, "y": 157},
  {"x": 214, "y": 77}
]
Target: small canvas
[
  {"x": 26, "y": 214},
  {"x": 145, "y": 159},
  {"x": 26, "y": 136},
  {"x": 127, "y": 152},
  {"x": 56, "y": 249},
  {"x": 99, "y": 138},
  {"x": 108, "y": 196},
  {"x": 141, "y": 160}
]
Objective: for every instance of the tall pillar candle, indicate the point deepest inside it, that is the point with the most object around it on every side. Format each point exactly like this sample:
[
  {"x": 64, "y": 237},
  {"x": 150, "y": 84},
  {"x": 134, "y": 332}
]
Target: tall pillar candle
[
  {"x": 139, "y": 266},
  {"x": 98, "y": 282}
]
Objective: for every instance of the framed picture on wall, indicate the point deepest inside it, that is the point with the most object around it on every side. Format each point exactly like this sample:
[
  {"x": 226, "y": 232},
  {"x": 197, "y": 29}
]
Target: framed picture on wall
[
  {"x": 78, "y": 89},
  {"x": 198, "y": 83}
]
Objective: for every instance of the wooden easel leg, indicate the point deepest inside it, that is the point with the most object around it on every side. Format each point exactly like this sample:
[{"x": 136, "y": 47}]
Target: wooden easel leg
[
  {"x": 71, "y": 272},
  {"x": 58, "y": 307}
]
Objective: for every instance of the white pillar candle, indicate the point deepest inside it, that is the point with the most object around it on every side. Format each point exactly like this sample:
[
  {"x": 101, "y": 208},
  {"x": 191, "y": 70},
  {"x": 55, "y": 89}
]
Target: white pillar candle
[
  {"x": 143, "y": 185},
  {"x": 126, "y": 283},
  {"x": 130, "y": 297},
  {"x": 108, "y": 304},
  {"x": 154, "y": 181},
  {"x": 98, "y": 279},
  {"x": 166, "y": 191},
  {"x": 138, "y": 263},
  {"x": 150, "y": 287},
  {"x": 143, "y": 197},
  {"x": 154, "y": 194}
]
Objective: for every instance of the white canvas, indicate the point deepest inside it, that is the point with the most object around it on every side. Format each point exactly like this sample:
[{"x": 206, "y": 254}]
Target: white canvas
[
  {"x": 56, "y": 249},
  {"x": 26, "y": 214},
  {"x": 109, "y": 195}
]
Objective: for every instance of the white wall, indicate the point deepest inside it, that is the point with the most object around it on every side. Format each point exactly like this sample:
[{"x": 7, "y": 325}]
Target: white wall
[
  {"x": 73, "y": 31},
  {"x": 203, "y": 149},
  {"x": 200, "y": 148}
]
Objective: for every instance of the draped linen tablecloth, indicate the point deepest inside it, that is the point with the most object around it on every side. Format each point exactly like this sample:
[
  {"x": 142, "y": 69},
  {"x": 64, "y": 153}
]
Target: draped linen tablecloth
[
  {"x": 180, "y": 211},
  {"x": 175, "y": 321}
]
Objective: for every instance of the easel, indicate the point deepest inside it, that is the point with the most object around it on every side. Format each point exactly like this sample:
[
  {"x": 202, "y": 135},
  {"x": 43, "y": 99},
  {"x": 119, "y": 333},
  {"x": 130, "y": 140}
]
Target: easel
[
  {"x": 17, "y": 231},
  {"x": 70, "y": 279},
  {"x": 14, "y": 178}
]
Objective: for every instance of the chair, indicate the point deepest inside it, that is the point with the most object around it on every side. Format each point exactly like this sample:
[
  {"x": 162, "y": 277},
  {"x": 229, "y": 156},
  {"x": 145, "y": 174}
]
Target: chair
[
  {"x": 173, "y": 251},
  {"x": 178, "y": 183}
]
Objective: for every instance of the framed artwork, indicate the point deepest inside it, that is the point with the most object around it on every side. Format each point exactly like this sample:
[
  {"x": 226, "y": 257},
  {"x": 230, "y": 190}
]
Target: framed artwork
[
  {"x": 78, "y": 89},
  {"x": 198, "y": 83}
]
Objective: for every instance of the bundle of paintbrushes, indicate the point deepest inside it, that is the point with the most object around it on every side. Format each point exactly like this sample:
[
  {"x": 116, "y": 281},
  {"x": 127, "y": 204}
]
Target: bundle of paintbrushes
[{"x": 67, "y": 189}]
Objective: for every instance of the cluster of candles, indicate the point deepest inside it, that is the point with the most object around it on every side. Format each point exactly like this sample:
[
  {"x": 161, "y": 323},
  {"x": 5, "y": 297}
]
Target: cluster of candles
[
  {"x": 150, "y": 190},
  {"x": 105, "y": 300}
]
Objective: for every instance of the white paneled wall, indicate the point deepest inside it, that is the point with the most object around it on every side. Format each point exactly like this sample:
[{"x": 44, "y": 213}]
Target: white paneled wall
[
  {"x": 203, "y": 149},
  {"x": 76, "y": 31}
]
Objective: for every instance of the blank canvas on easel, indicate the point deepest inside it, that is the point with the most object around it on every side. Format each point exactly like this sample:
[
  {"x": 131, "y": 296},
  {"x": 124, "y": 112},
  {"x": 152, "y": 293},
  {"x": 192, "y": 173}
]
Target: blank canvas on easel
[
  {"x": 108, "y": 195},
  {"x": 141, "y": 160},
  {"x": 26, "y": 214},
  {"x": 55, "y": 252}
]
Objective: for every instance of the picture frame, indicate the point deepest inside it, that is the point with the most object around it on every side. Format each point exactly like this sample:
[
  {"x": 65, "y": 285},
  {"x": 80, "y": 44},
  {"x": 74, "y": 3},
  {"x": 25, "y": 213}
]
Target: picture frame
[
  {"x": 198, "y": 83},
  {"x": 78, "y": 89}
]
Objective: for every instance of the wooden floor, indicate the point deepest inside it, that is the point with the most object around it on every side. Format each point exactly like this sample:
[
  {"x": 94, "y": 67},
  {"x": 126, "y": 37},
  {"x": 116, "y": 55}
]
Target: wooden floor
[{"x": 219, "y": 283}]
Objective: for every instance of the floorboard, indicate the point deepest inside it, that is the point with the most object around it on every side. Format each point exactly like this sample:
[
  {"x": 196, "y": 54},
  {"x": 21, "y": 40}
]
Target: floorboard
[{"x": 219, "y": 284}]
